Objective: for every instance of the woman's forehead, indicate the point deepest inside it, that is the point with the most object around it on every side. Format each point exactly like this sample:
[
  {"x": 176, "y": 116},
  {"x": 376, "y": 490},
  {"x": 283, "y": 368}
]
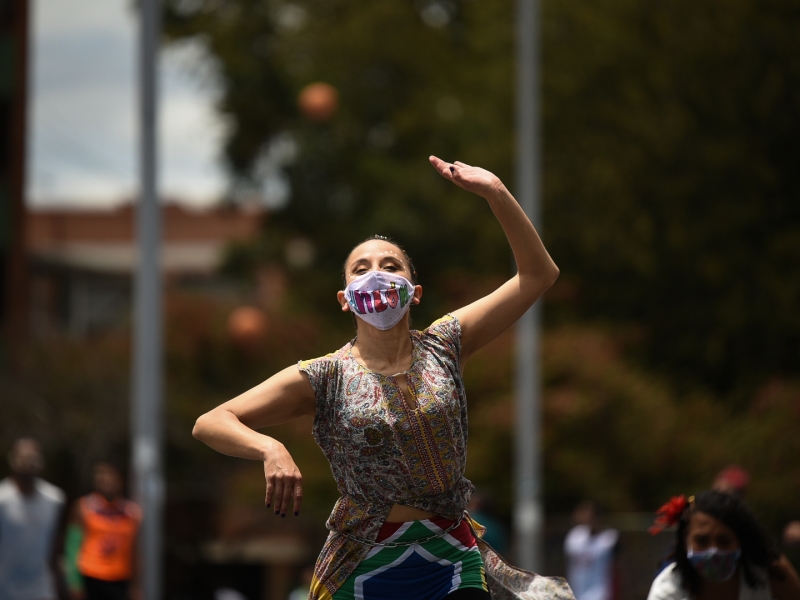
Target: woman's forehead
[
  {"x": 705, "y": 523},
  {"x": 375, "y": 250}
]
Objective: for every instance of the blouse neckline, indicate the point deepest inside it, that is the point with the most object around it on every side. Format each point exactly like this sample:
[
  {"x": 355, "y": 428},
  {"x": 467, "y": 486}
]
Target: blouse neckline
[{"x": 415, "y": 357}]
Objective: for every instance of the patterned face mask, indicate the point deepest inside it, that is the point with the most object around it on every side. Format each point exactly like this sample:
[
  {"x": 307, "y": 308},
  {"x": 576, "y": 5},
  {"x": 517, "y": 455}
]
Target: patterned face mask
[
  {"x": 714, "y": 564},
  {"x": 381, "y": 299}
]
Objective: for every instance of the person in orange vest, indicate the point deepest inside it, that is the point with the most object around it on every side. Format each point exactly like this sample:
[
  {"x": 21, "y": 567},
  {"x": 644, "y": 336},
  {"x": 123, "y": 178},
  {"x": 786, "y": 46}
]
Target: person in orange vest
[{"x": 101, "y": 541}]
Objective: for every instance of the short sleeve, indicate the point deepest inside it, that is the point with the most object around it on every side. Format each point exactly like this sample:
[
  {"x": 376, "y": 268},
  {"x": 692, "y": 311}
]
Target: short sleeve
[
  {"x": 321, "y": 374},
  {"x": 447, "y": 332},
  {"x": 667, "y": 585}
]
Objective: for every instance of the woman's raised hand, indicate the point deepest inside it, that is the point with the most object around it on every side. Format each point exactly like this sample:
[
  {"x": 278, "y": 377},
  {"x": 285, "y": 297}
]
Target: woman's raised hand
[
  {"x": 473, "y": 179},
  {"x": 284, "y": 481}
]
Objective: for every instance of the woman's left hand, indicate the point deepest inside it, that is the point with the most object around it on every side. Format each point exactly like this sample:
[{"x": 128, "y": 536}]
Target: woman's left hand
[{"x": 473, "y": 179}]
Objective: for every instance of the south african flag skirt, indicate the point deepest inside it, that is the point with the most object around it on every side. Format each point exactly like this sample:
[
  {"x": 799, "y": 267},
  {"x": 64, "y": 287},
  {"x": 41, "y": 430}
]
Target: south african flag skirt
[{"x": 424, "y": 571}]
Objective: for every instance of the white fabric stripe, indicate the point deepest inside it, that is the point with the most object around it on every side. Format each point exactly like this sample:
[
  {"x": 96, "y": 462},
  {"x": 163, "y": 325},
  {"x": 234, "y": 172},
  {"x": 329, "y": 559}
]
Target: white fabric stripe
[
  {"x": 445, "y": 563},
  {"x": 450, "y": 539},
  {"x": 358, "y": 588},
  {"x": 458, "y": 567},
  {"x": 400, "y": 531},
  {"x": 431, "y": 557}
]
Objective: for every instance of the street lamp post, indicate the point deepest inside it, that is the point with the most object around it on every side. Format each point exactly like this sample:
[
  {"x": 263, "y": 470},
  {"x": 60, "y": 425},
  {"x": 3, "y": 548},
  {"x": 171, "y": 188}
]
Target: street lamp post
[
  {"x": 147, "y": 380},
  {"x": 528, "y": 514}
]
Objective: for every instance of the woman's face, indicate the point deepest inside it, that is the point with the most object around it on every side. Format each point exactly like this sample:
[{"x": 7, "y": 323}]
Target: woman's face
[
  {"x": 706, "y": 531},
  {"x": 376, "y": 255}
]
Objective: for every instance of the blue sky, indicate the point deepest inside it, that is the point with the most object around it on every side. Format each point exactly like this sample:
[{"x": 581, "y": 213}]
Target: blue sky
[{"x": 82, "y": 120}]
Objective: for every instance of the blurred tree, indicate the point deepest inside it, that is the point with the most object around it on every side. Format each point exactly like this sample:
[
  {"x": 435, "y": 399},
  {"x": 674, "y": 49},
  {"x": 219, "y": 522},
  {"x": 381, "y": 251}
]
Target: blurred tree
[
  {"x": 672, "y": 133},
  {"x": 412, "y": 80}
]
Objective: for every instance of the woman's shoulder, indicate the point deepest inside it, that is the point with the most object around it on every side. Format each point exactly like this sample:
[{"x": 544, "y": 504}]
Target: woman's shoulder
[
  {"x": 327, "y": 363},
  {"x": 442, "y": 338},
  {"x": 448, "y": 321},
  {"x": 667, "y": 585},
  {"x": 445, "y": 330}
]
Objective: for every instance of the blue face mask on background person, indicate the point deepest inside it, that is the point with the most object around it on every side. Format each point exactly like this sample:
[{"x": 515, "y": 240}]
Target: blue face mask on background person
[
  {"x": 381, "y": 299},
  {"x": 714, "y": 564}
]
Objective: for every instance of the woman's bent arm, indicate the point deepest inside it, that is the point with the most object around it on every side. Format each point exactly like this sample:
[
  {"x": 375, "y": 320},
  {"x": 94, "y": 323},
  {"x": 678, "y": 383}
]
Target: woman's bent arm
[
  {"x": 485, "y": 319},
  {"x": 230, "y": 429}
]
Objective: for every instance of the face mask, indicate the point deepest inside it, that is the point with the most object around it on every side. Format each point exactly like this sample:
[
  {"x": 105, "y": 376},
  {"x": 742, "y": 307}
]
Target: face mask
[
  {"x": 714, "y": 564},
  {"x": 381, "y": 299}
]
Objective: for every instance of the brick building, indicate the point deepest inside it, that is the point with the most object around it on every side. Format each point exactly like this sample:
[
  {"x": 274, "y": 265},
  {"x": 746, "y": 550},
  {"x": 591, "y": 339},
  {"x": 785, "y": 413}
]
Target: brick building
[{"x": 82, "y": 261}]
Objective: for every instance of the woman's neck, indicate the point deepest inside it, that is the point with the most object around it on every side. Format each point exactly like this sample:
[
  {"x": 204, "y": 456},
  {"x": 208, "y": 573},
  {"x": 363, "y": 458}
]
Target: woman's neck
[{"x": 386, "y": 352}]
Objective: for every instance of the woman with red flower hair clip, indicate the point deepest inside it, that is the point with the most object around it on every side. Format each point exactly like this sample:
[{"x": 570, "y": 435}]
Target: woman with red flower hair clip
[{"x": 721, "y": 553}]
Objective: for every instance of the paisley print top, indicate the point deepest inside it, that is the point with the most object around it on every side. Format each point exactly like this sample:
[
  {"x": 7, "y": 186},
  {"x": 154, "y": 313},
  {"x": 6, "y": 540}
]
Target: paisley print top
[{"x": 381, "y": 450}]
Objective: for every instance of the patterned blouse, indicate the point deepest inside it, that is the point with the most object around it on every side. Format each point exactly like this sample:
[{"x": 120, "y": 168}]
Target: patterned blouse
[{"x": 381, "y": 450}]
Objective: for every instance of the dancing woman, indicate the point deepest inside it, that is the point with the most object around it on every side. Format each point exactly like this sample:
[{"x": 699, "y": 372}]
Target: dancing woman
[{"x": 390, "y": 414}]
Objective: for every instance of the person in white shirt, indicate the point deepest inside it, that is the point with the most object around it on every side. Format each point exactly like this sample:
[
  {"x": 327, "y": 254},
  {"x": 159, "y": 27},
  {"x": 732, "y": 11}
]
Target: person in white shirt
[
  {"x": 30, "y": 513},
  {"x": 591, "y": 553},
  {"x": 721, "y": 553}
]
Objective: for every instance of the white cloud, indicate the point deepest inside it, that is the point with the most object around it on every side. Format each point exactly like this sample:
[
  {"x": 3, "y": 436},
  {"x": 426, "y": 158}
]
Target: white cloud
[{"x": 83, "y": 112}]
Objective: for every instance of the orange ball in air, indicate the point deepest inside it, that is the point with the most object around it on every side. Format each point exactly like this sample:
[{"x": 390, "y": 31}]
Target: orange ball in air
[
  {"x": 318, "y": 101},
  {"x": 247, "y": 326}
]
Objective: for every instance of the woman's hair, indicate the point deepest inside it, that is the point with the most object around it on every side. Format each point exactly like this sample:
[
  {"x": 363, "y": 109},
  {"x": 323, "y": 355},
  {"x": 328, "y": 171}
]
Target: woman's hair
[
  {"x": 382, "y": 238},
  {"x": 758, "y": 550}
]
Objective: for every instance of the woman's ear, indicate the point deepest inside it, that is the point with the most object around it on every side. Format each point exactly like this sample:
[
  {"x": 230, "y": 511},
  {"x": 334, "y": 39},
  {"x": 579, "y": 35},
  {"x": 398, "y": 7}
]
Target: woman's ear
[
  {"x": 342, "y": 301},
  {"x": 417, "y": 294}
]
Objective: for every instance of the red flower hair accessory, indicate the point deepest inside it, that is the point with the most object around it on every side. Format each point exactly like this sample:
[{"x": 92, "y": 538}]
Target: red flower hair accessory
[{"x": 669, "y": 514}]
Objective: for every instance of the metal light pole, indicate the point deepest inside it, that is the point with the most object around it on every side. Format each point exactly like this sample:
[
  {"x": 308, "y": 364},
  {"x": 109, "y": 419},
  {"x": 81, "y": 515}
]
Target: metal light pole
[
  {"x": 147, "y": 386},
  {"x": 528, "y": 514}
]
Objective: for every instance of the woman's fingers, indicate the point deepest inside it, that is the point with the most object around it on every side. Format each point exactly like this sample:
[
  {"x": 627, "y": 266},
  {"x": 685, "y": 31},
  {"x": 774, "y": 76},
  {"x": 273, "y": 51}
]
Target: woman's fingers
[
  {"x": 288, "y": 495},
  {"x": 445, "y": 169},
  {"x": 270, "y": 491},
  {"x": 298, "y": 496},
  {"x": 284, "y": 489}
]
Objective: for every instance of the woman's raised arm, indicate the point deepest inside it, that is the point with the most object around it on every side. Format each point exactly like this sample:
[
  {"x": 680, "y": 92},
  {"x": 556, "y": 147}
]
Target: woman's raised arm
[
  {"x": 230, "y": 429},
  {"x": 486, "y": 318}
]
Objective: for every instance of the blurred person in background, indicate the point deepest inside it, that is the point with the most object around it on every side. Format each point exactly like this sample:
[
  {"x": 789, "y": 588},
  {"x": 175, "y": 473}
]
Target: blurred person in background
[
  {"x": 733, "y": 480},
  {"x": 791, "y": 534},
  {"x": 390, "y": 415},
  {"x": 721, "y": 553},
  {"x": 591, "y": 551},
  {"x": 101, "y": 540},
  {"x": 480, "y": 509},
  {"x": 301, "y": 591},
  {"x": 730, "y": 480},
  {"x": 30, "y": 514}
]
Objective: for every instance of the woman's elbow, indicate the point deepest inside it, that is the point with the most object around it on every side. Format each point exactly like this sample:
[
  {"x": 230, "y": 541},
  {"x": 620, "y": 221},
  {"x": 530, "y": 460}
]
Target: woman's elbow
[
  {"x": 552, "y": 275},
  {"x": 199, "y": 429}
]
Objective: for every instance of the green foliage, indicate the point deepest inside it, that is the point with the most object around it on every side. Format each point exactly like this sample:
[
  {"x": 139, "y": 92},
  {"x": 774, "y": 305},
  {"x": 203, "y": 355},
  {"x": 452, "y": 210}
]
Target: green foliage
[
  {"x": 671, "y": 137},
  {"x": 671, "y": 133},
  {"x": 670, "y": 193}
]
